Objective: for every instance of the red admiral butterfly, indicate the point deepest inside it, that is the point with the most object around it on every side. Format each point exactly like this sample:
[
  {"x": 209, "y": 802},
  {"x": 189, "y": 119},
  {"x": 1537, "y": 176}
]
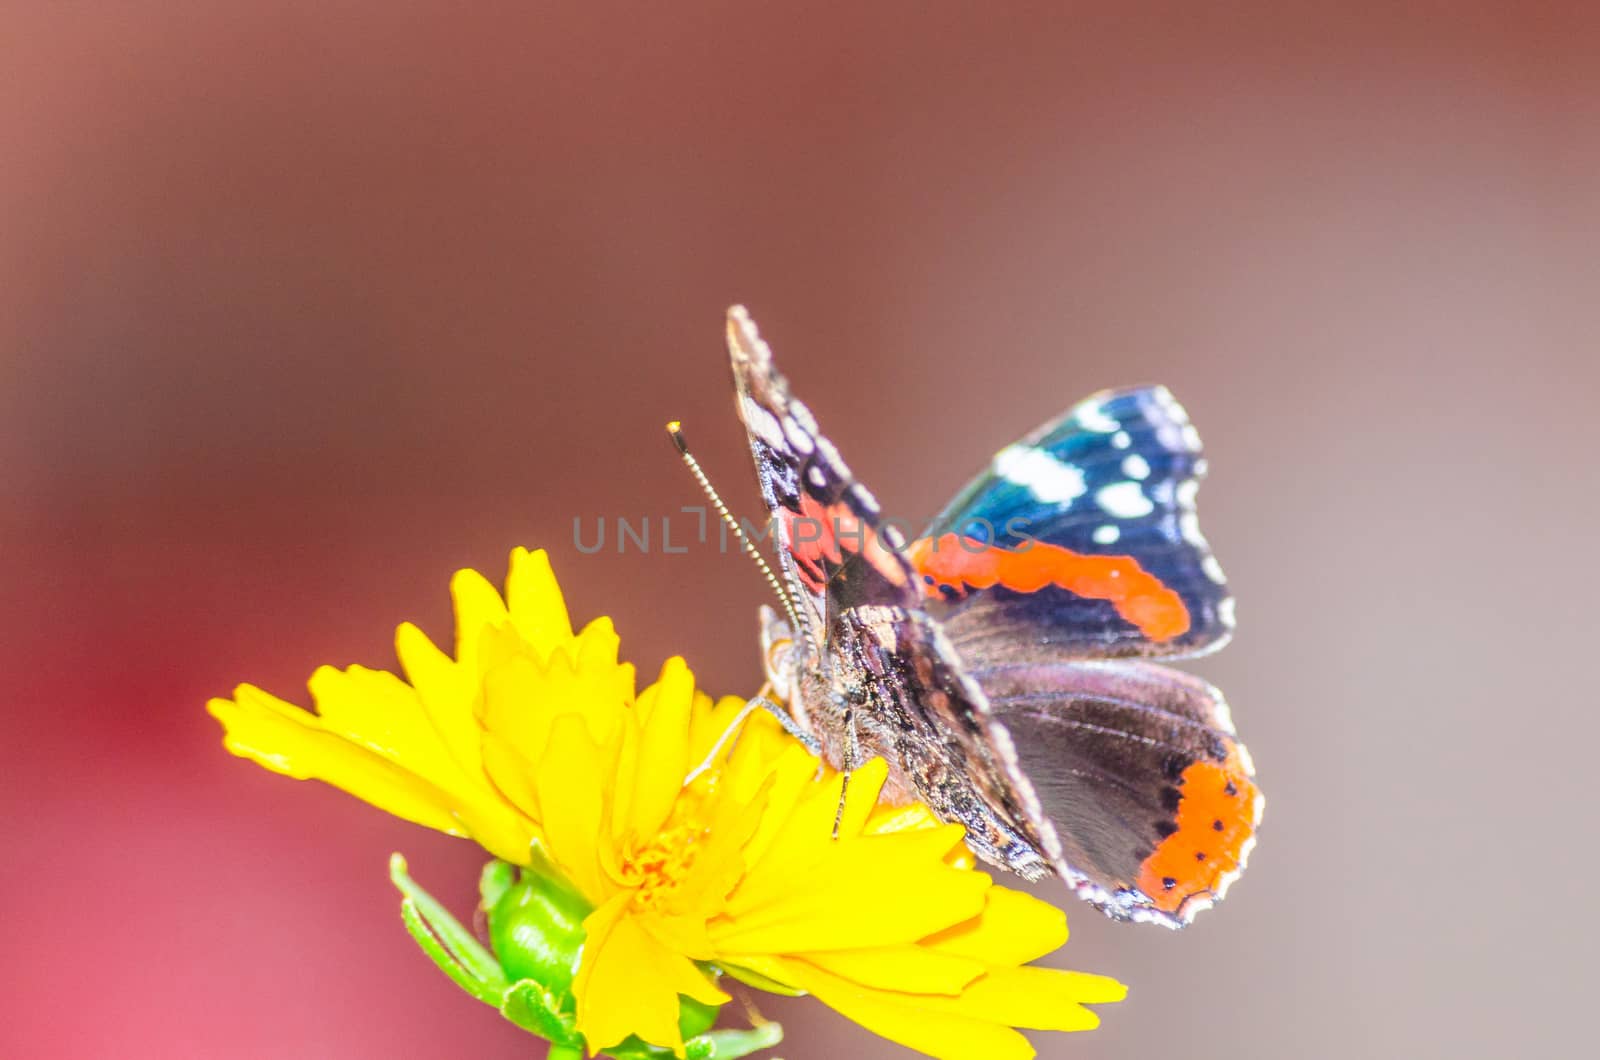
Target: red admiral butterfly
[{"x": 996, "y": 662}]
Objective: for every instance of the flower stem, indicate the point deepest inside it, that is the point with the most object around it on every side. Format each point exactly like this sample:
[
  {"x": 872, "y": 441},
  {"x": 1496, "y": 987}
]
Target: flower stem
[{"x": 564, "y": 1052}]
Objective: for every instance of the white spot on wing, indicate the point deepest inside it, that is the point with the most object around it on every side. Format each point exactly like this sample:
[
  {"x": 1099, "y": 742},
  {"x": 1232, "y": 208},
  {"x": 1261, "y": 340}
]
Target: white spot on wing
[
  {"x": 1048, "y": 479},
  {"x": 1169, "y": 404},
  {"x": 1125, "y": 500},
  {"x": 1213, "y": 569},
  {"x": 1107, "y": 534},
  {"x": 1250, "y": 768},
  {"x": 1172, "y": 426},
  {"x": 1223, "y": 713},
  {"x": 798, "y": 437},
  {"x": 1092, "y": 417},
  {"x": 1121, "y": 440},
  {"x": 1188, "y": 521},
  {"x": 764, "y": 425},
  {"x": 1135, "y": 466}
]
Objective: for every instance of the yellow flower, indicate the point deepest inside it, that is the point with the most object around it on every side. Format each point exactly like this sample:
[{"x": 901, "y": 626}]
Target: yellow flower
[{"x": 532, "y": 737}]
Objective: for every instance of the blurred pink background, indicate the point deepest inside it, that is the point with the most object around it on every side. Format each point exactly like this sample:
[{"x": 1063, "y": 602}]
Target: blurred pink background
[{"x": 305, "y": 305}]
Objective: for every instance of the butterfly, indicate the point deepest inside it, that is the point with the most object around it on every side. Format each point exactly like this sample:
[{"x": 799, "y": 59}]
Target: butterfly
[{"x": 999, "y": 661}]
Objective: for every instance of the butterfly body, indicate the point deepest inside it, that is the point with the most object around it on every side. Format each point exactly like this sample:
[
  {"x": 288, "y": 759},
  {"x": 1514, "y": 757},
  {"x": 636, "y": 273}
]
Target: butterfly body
[
  {"x": 886, "y": 687},
  {"x": 995, "y": 661}
]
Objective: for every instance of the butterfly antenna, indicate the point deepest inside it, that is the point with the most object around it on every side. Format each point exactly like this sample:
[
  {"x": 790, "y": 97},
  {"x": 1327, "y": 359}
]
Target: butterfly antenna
[{"x": 675, "y": 430}]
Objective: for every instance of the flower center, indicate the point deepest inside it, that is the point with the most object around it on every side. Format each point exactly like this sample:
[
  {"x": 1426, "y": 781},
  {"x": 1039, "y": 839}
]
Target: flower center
[{"x": 657, "y": 868}]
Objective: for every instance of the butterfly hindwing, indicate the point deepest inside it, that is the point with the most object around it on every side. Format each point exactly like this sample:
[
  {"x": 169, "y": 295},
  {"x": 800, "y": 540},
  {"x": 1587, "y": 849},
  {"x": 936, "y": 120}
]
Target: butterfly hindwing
[
  {"x": 1138, "y": 767},
  {"x": 1081, "y": 541}
]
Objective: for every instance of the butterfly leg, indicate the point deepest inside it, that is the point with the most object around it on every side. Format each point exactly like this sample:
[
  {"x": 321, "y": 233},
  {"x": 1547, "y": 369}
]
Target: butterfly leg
[
  {"x": 790, "y": 726},
  {"x": 759, "y": 701},
  {"x": 849, "y": 765}
]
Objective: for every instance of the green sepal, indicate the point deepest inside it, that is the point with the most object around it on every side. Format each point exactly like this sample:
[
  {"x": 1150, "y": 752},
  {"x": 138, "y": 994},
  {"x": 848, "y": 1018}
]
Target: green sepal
[
  {"x": 535, "y": 1009},
  {"x": 696, "y": 1017},
  {"x": 469, "y": 965},
  {"x": 494, "y": 881},
  {"x": 445, "y": 941},
  {"x": 731, "y": 1044}
]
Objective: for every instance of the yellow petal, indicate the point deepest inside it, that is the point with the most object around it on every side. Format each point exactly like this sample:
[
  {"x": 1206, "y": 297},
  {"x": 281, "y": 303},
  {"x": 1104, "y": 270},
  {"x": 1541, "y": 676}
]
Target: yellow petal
[
  {"x": 534, "y": 602},
  {"x": 914, "y": 969},
  {"x": 379, "y": 711},
  {"x": 873, "y": 891},
  {"x": 498, "y": 829},
  {"x": 1014, "y": 928},
  {"x": 901, "y": 1018},
  {"x": 450, "y": 688},
  {"x": 570, "y": 784},
  {"x": 887, "y": 818},
  {"x": 624, "y": 789},
  {"x": 447, "y": 692},
  {"x": 615, "y": 993},
  {"x": 719, "y": 865},
  {"x": 664, "y": 749},
  {"x": 628, "y": 983},
  {"x": 708, "y": 722},
  {"x": 384, "y": 714},
  {"x": 814, "y": 816},
  {"x": 511, "y": 775},
  {"x": 518, "y": 704},
  {"x": 596, "y": 647},
  {"x": 680, "y": 934},
  {"x": 785, "y": 781},
  {"x": 478, "y": 607},
  {"x": 1045, "y": 999},
  {"x": 522, "y": 696},
  {"x": 795, "y": 834},
  {"x": 291, "y": 741}
]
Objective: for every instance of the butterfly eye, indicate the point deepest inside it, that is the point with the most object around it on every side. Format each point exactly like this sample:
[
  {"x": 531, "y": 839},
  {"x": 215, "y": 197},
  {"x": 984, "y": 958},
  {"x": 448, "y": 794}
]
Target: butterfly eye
[{"x": 780, "y": 658}]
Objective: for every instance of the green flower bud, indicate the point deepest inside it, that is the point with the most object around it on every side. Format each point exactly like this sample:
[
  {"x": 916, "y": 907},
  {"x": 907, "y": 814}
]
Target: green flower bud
[{"x": 535, "y": 925}]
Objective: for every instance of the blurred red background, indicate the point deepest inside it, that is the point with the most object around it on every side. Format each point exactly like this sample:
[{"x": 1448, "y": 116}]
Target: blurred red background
[{"x": 303, "y": 306}]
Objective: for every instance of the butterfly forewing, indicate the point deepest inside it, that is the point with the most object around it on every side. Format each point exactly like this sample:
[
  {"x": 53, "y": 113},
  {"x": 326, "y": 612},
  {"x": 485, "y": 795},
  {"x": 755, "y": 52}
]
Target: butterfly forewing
[
  {"x": 825, "y": 524},
  {"x": 1082, "y": 541}
]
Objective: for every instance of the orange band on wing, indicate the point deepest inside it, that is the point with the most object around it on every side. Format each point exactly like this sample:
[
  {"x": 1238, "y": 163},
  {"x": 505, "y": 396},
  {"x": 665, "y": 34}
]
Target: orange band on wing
[
  {"x": 1216, "y": 826},
  {"x": 1139, "y": 596},
  {"x": 819, "y": 534}
]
